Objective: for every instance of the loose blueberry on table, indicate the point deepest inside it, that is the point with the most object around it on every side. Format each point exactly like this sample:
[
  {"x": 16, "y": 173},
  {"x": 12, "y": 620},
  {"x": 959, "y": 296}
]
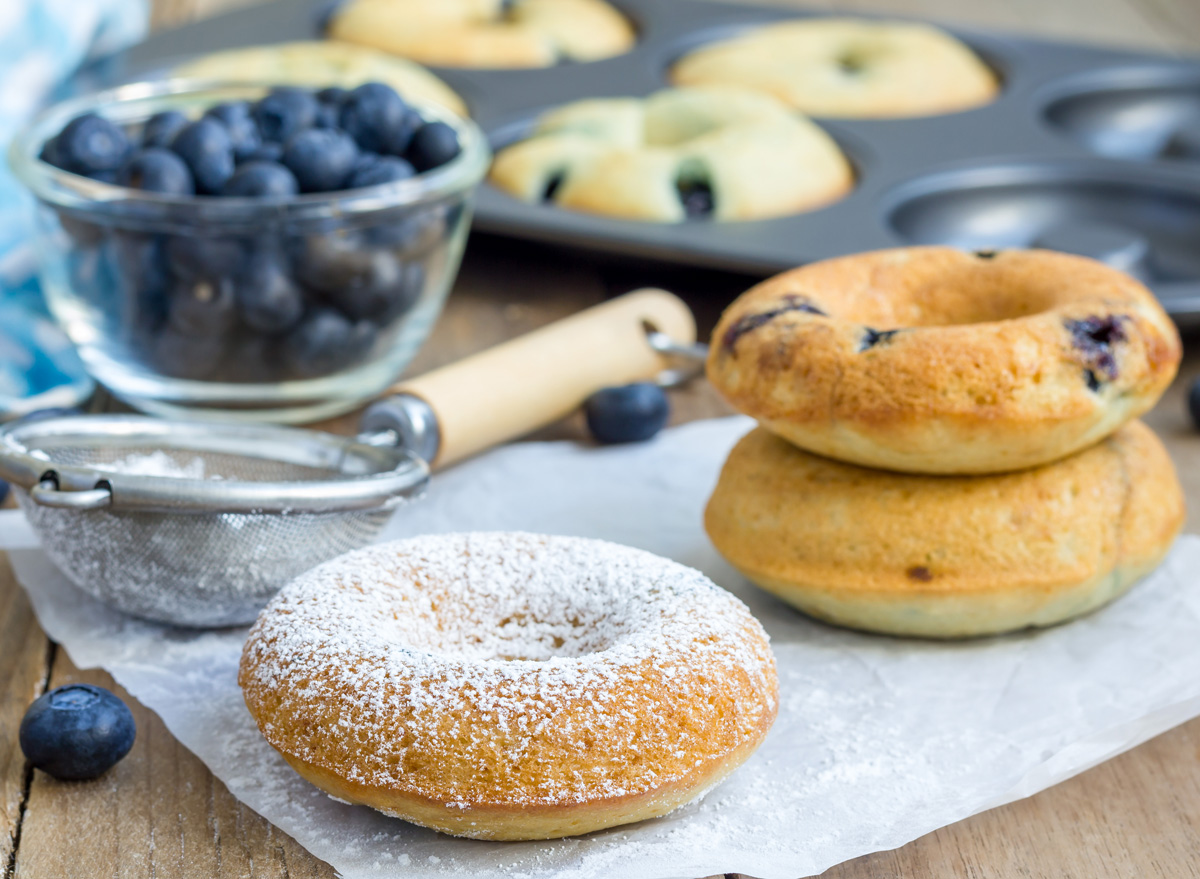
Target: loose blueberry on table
[
  {"x": 627, "y": 414},
  {"x": 76, "y": 732},
  {"x": 259, "y": 306}
]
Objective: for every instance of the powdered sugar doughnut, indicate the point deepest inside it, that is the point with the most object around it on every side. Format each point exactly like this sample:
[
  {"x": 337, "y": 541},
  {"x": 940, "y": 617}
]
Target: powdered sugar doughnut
[{"x": 510, "y": 686}]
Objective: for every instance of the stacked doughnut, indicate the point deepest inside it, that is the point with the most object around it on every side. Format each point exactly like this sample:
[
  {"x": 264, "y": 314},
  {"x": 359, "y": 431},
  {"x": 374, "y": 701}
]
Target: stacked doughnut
[{"x": 947, "y": 442}]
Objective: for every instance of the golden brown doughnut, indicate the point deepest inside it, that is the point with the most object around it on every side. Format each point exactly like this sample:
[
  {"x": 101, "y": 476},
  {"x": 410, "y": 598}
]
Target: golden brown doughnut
[
  {"x": 844, "y": 67},
  {"x": 932, "y": 360},
  {"x": 510, "y": 686},
  {"x": 486, "y": 33},
  {"x": 948, "y": 556}
]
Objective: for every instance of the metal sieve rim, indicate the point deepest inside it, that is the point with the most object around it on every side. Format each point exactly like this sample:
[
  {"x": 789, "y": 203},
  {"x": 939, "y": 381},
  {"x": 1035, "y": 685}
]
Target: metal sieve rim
[{"x": 400, "y": 475}]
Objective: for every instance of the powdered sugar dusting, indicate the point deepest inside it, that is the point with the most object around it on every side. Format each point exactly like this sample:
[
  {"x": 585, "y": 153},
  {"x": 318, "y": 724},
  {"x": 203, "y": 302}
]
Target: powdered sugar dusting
[{"x": 508, "y": 668}]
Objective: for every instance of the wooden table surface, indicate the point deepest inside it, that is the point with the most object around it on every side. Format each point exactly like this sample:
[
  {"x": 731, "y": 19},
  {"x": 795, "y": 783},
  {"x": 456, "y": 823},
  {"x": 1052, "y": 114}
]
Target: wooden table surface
[{"x": 160, "y": 813}]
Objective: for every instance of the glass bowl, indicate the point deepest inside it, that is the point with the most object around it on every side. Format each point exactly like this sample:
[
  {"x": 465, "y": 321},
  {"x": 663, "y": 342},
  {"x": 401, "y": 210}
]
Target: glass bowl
[{"x": 167, "y": 298}]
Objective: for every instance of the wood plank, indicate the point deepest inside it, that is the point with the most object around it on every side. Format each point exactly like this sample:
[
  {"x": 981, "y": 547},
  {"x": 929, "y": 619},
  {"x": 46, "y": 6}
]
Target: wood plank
[
  {"x": 159, "y": 812},
  {"x": 24, "y": 668},
  {"x": 1135, "y": 815}
]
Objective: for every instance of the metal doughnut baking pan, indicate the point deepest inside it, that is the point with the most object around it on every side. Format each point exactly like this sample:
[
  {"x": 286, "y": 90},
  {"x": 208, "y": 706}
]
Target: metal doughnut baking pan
[{"x": 1088, "y": 150}]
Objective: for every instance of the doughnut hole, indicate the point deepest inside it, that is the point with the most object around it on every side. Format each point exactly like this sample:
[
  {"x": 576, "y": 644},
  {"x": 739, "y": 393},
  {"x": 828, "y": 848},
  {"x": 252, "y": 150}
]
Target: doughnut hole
[
  {"x": 986, "y": 289},
  {"x": 538, "y": 621}
]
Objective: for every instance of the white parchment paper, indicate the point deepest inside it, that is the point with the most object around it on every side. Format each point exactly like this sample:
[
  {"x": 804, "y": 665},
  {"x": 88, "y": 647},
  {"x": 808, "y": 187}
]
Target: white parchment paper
[{"x": 878, "y": 740}]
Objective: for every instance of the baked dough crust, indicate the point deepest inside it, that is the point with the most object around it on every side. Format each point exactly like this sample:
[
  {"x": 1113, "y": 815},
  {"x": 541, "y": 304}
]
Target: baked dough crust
[
  {"x": 932, "y": 360},
  {"x": 510, "y": 686},
  {"x": 851, "y": 68},
  {"x": 625, "y": 157},
  {"x": 323, "y": 64},
  {"x": 946, "y": 557},
  {"x": 486, "y": 33}
]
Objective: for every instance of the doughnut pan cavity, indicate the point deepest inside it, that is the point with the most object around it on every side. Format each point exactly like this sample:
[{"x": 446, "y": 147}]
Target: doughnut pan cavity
[{"x": 1089, "y": 150}]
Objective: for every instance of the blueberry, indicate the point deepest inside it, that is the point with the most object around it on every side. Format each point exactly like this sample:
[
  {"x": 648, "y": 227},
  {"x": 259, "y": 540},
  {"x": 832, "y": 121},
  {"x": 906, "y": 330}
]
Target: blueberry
[
  {"x": 142, "y": 278},
  {"x": 627, "y": 414},
  {"x": 373, "y": 170},
  {"x": 200, "y": 299},
  {"x": 696, "y": 197},
  {"x": 3, "y": 491},
  {"x": 235, "y": 116},
  {"x": 157, "y": 170},
  {"x": 327, "y": 116},
  {"x": 192, "y": 258},
  {"x": 402, "y": 137},
  {"x": 376, "y": 117},
  {"x": 76, "y": 732},
  {"x": 253, "y": 357},
  {"x": 334, "y": 94},
  {"x": 434, "y": 144},
  {"x": 1194, "y": 402},
  {"x": 202, "y": 308},
  {"x": 393, "y": 290},
  {"x": 90, "y": 144},
  {"x": 268, "y": 151},
  {"x": 321, "y": 159},
  {"x": 208, "y": 150},
  {"x": 269, "y": 300},
  {"x": 258, "y": 179},
  {"x": 410, "y": 234},
  {"x": 792, "y": 302},
  {"x": 325, "y": 341},
  {"x": 161, "y": 128},
  {"x": 284, "y": 112},
  {"x": 182, "y": 355},
  {"x": 365, "y": 283}
]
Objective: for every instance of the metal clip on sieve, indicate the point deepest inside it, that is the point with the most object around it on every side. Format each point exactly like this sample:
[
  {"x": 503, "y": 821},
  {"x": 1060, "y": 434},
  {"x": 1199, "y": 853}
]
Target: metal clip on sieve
[{"x": 107, "y": 499}]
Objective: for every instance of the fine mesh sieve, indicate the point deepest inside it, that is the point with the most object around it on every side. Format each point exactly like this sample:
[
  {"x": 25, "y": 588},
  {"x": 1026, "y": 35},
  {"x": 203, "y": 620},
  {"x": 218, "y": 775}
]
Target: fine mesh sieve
[{"x": 113, "y": 507}]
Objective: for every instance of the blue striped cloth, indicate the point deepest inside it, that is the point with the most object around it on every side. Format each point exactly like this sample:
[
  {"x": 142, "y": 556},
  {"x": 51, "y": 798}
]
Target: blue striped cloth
[{"x": 42, "y": 43}]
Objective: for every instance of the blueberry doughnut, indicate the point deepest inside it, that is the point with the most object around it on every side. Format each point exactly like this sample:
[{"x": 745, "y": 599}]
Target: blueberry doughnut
[
  {"x": 322, "y": 64},
  {"x": 719, "y": 153},
  {"x": 486, "y": 33},
  {"x": 851, "y": 68},
  {"x": 510, "y": 686},
  {"x": 933, "y": 360},
  {"x": 946, "y": 557}
]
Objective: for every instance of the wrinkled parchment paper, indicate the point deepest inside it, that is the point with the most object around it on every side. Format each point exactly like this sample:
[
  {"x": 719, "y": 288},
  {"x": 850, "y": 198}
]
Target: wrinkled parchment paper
[{"x": 878, "y": 740}]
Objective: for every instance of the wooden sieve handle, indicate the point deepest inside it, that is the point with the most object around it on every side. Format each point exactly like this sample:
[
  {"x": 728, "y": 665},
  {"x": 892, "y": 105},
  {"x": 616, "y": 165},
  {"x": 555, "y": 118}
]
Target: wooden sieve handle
[{"x": 536, "y": 379}]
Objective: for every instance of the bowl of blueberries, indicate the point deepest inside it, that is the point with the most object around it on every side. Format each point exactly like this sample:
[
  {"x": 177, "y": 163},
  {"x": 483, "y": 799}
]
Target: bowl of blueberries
[{"x": 248, "y": 251}]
